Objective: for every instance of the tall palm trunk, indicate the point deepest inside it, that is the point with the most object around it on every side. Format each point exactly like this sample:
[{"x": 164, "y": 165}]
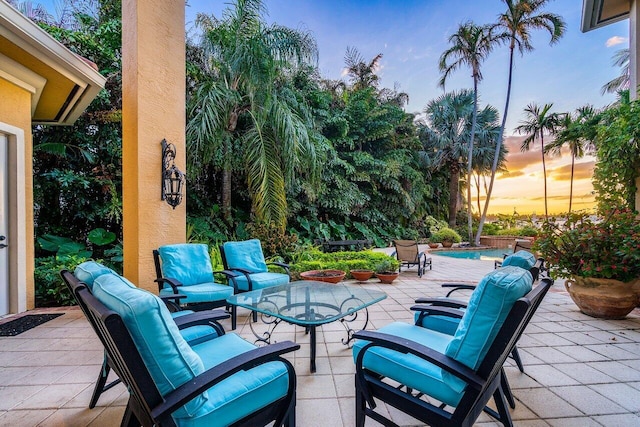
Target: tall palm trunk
[
  {"x": 226, "y": 182},
  {"x": 453, "y": 194},
  {"x": 494, "y": 166},
  {"x": 573, "y": 161},
  {"x": 544, "y": 175},
  {"x": 470, "y": 156}
]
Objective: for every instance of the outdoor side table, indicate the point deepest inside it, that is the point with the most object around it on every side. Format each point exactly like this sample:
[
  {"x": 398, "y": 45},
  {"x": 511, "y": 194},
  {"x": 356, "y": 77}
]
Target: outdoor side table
[{"x": 310, "y": 304}]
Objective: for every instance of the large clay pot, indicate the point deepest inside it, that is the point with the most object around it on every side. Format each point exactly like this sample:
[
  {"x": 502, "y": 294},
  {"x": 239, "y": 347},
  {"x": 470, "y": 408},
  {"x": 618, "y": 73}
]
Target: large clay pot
[
  {"x": 329, "y": 276},
  {"x": 387, "y": 277},
  {"x": 447, "y": 244},
  {"x": 604, "y": 298}
]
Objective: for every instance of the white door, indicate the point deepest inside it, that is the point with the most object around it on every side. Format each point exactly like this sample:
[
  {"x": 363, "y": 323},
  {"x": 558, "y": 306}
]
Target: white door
[{"x": 4, "y": 204}]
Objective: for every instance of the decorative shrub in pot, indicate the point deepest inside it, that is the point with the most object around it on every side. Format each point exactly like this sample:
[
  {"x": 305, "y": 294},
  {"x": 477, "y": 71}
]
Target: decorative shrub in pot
[
  {"x": 387, "y": 271},
  {"x": 599, "y": 257},
  {"x": 329, "y": 276},
  {"x": 446, "y": 236}
]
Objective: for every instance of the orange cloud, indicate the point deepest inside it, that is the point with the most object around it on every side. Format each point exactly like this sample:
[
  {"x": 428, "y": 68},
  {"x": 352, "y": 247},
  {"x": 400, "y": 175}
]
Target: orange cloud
[{"x": 582, "y": 170}]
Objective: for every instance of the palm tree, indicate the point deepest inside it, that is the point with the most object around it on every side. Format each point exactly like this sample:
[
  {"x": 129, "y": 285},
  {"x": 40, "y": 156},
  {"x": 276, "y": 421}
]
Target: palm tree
[
  {"x": 362, "y": 74},
  {"x": 538, "y": 122},
  {"x": 577, "y": 132},
  {"x": 620, "y": 59},
  {"x": 470, "y": 46},
  {"x": 516, "y": 24},
  {"x": 239, "y": 116},
  {"x": 448, "y": 120}
]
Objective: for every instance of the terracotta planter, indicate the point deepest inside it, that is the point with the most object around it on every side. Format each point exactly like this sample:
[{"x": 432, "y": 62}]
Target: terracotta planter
[
  {"x": 604, "y": 298},
  {"x": 447, "y": 244},
  {"x": 387, "y": 277},
  {"x": 330, "y": 276},
  {"x": 433, "y": 245},
  {"x": 361, "y": 275}
]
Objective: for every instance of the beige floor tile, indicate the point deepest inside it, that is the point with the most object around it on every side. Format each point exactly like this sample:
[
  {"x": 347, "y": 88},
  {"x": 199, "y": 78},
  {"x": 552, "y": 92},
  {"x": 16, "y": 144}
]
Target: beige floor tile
[
  {"x": 109, "y": 417},
  {"x": 573, "y": 422},
  {"x": 316, "y": 387},
  {"x": 14, "y": 395},
  {"x": 52, "y": 396},
  {"x": 29, "y": 417},
  {"x": 72, "y": 417},
  {"x": 622, "y": 394},
  {"x": 587, "y": 400},
  {"x": 545, "y": 404},
  {"x": 318, "y": 412}
]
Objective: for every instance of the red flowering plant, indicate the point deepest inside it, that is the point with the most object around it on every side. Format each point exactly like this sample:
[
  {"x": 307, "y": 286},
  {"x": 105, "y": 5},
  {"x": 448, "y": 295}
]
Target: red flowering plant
[{"x": 606, "y": 246}]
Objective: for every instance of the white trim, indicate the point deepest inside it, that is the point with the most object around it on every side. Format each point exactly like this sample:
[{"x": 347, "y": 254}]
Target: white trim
[
  {"x": 591, "y": 14},
  {"x": 24, "y": 78},
  {"x": 17, "y": 222}
]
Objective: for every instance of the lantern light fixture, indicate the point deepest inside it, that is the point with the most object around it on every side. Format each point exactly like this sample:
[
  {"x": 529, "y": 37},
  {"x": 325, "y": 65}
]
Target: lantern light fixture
[{"x": 172, "y": 178}]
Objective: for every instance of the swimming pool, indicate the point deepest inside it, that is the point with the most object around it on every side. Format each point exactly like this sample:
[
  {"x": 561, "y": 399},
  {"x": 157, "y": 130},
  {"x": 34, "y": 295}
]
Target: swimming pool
[{"x": 480, "y": 254}]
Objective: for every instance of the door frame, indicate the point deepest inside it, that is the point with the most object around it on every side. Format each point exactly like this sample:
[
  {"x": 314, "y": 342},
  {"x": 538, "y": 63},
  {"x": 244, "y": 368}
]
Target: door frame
[{"x": 16, "y": 214}]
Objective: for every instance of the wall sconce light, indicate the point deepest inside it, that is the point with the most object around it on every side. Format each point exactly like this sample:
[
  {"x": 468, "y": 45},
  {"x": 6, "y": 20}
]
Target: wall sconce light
[{"x": 172, "y": 177}]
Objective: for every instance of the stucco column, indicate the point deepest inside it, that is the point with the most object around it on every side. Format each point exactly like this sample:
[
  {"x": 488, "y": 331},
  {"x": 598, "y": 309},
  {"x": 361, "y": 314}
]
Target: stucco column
[{"x": 153, "y": 82}]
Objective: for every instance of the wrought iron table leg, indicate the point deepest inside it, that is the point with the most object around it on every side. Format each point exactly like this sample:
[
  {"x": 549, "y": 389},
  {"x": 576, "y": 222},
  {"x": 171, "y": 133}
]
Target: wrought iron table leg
[{"x": 313, "y": 348}]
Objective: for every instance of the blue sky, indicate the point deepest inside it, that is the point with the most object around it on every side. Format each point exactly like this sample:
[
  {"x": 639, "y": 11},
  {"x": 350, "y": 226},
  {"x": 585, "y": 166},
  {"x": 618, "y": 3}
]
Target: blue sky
[{"x": 411, "y": 35}]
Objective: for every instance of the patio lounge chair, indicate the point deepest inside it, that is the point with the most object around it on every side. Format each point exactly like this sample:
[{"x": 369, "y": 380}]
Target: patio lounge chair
[
  {"x": 408, "y": 254},
  {"x": 222, "y": 381},
  {"x": 194, "y": 327},
  {"x": 247, "y": 259},
  {"x": 186, "y": 269},
  {"x": 462, "y": 371},
  {"x": 519, "y": 245}
]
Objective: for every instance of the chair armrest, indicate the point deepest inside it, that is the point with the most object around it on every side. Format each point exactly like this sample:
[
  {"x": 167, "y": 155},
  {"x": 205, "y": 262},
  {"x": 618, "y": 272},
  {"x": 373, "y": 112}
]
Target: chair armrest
[
  {"x": 210, "y": 377},
  {"x": 404, "y": 345},
  {"x": 174, "y": 283},
  {"x": 431, "y": 310},
  {"x": 442, "y": 302},
  {"x": 282, "y": 265},
  {"x": 230, "y": 275},
  {"x": 458, "y": 287},
  {"x": 200, "y": 318}
]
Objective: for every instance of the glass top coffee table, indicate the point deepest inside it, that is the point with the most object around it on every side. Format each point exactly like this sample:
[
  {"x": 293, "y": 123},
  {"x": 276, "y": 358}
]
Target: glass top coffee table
[{"x": 310, "y": 304}]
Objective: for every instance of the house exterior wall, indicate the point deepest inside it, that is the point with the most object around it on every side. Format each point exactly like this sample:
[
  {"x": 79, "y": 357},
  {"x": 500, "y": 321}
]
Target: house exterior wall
[
  {"x": 15, "y": 120},
  {"x": 153, "y": 77}
]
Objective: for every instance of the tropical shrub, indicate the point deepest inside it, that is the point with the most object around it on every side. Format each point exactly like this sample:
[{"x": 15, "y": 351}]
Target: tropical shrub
[
  {"x": 314, "y": 259},
  {"x": 445, "y": 235},
  {"x": 526, "y": 231}
]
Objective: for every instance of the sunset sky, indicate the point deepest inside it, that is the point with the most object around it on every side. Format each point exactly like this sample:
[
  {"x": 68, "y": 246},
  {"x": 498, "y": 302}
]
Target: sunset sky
[{"x": 412, "y": 34}]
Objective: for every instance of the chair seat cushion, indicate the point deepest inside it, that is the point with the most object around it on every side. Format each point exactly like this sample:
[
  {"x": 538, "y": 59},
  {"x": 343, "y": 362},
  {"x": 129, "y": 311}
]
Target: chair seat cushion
[
  {"x": 204, "y": 292},
  {"x": 167, "y": 356},
  {"x": 194, "y": 335},
  {"x": 445, "y": 324},
  {"x": 189, "y": 263},
  {"x": 246, "y": 255},
  {"x": 261, "y": 280},
  {"x": 411, "y": 370},
  {"x": 89, "y": 271},
  {"x": 240, "y": 394}
]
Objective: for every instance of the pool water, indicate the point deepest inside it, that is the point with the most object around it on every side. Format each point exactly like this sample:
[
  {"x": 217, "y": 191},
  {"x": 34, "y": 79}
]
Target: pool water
[{"x": 480, "y": 254}]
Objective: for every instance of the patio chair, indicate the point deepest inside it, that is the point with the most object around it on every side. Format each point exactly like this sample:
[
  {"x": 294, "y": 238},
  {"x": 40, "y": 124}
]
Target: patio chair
[
  {"x": 447, "y": 380},
  {"x": 222, "y": 381},
  {"x": 246, "y": 257},
  {"x": 194, "y": 327},
  {"x": 407, "y": 252},
  {"x": 186, "y": 269},
  {"x": 519, "y": 245}
]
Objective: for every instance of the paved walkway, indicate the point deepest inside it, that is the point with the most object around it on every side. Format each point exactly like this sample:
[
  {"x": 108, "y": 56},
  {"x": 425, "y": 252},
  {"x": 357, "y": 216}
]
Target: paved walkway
[{"x": 579, "y": 371}]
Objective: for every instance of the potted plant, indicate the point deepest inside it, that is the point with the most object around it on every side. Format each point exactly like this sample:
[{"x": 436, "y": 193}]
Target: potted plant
[
  {"x": 600, "y": 259},
  {"x": 387, "y": 271},
  {"x": 446, "y": 236},
  {"x": 361, "y": 275},
  {"x": 329, "y": 276}
]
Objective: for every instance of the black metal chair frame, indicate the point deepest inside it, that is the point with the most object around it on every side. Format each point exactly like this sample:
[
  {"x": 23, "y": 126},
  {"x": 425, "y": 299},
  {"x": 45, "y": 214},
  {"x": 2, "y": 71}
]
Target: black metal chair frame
[
  {"x": 209, "y": 318},
  {"x": 146, "y": 406},
  {"x": 518, "y": 245},
  {"x": 175, "y": 286},
  {"x": 482, "y": 384},
  {"x": 247, "y": 273},
  {"x": 421, "y": 259}
]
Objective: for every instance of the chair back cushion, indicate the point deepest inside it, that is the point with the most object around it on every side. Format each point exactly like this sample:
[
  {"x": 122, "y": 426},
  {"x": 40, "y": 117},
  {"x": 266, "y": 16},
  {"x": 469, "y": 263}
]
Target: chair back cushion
[
  {"x": 89, "y": 271},
  {"x": 246, "y": 255},
  {"x": 522, "y": 259},
  {"x": 189, "y": 263},
  {"x": 406, "y": 250},
  {"x": 488, "y": 308},
  {"x": 167, "y": 356}
]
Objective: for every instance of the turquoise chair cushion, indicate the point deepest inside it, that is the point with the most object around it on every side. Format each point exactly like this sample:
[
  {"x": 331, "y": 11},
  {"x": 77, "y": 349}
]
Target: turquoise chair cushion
[
  {"x": 89, "y": 271},
  {"x": 197, "y": 334},
  {"x": 446, "y": 325},
  {"x": 488, "y": 307},
  {"x": 411, "y": 370},
  {"x": 522, "y": 259},
  {"x": 246, "y": 255},
  {"x": 188, "y": 263},
  {"x": 167, "y": 356},
  {"x": 204, "y": 292},
  {"x": 242, "y": 393},
  {"x": 261, "y": 280}
]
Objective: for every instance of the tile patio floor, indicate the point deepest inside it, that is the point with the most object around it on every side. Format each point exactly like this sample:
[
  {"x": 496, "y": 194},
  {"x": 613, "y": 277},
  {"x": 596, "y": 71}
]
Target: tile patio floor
[{"x": 579, "y": 371}]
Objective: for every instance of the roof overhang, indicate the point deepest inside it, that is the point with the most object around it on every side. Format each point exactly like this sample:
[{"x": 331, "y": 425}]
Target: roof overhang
[
  {"x": 62, "y": 84},
  {"x": 598, "y": 13}
]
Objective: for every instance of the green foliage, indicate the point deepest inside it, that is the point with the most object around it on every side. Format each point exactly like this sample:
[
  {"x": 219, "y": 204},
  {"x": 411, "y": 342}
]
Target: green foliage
[
  {"x": 618, "y": 156},
  {"x": 607, "y": 247},
  {"x": 526, "y": 231},
  {"x": 50, "y": 290},
  {"x": 386, "y": 265},
  {"x": 313, "y": 259},
  {"x": 445, "y": 235},
  {"x": 274, "y": 240},
  {"x": 490, "y": 229}
]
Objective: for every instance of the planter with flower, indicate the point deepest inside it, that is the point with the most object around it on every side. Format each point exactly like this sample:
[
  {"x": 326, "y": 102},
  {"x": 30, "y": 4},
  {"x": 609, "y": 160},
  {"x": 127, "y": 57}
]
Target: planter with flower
[
  {"x": 387, "y": 270},
  {"x": 600, "y": 259}
]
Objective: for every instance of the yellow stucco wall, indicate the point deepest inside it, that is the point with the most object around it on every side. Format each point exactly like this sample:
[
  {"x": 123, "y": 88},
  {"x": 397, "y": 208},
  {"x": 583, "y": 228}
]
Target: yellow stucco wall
[
  {"x": 15, "y": 110},
  {"x": 153, "y": 48}
]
